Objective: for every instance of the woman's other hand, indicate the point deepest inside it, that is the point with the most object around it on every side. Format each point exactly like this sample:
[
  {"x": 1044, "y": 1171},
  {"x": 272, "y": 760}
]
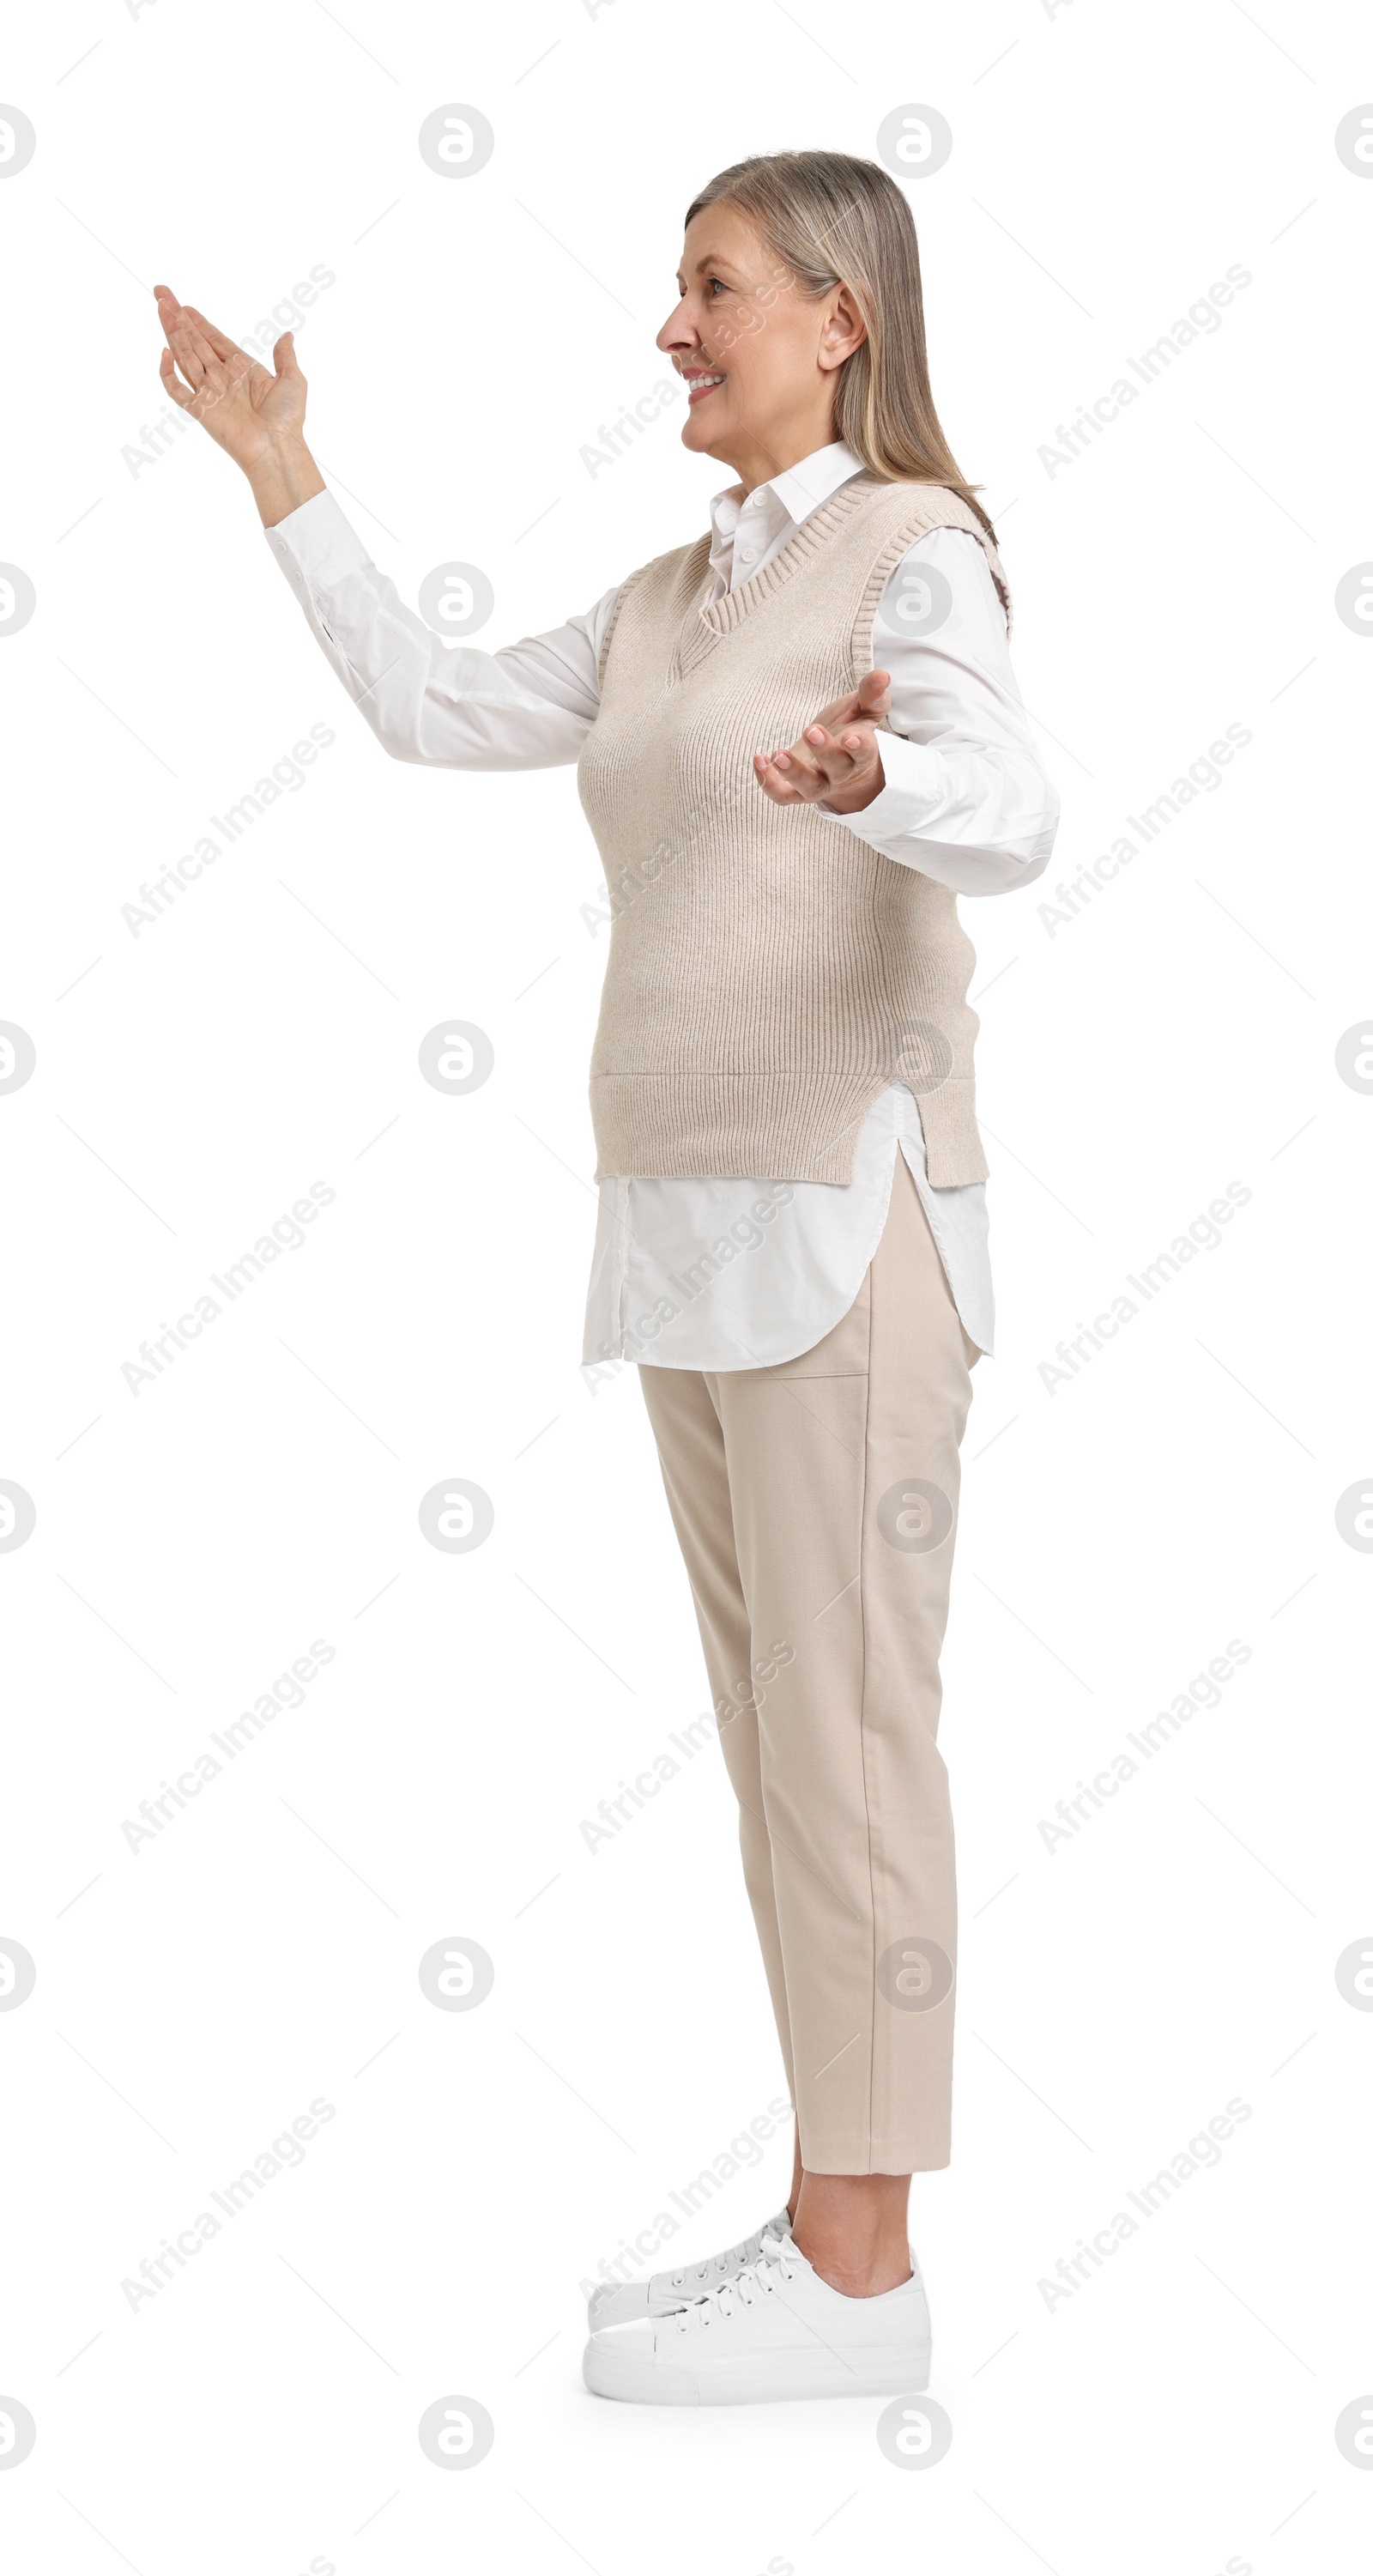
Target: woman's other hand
[
  {"x": 256, "y": 415},
  {"x": 836, "y": 761}
]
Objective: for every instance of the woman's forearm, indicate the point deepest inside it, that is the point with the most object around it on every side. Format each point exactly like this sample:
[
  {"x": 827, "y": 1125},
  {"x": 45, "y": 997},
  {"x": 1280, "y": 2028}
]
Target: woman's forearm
[{"x": 528, "y": 706}]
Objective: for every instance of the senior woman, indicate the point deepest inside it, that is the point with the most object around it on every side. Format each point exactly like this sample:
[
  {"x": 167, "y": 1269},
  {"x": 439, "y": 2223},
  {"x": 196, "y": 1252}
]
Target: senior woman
[{"x": 799, "y": 740}]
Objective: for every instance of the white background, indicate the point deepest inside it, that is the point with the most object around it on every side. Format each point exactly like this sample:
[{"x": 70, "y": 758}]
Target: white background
[{"x": 193, "y": 1539}]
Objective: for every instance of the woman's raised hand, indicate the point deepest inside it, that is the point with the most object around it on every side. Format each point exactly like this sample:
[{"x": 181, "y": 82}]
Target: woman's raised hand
[
  {"x": 256, "y": 415},
  {"x": 836, "y": 761}
]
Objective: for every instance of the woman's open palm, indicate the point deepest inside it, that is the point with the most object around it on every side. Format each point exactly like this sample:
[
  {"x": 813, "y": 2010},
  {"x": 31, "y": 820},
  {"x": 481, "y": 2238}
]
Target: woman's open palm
[
  {"x": 837, "y": 760},
  {"x": 248, "y": 410}
]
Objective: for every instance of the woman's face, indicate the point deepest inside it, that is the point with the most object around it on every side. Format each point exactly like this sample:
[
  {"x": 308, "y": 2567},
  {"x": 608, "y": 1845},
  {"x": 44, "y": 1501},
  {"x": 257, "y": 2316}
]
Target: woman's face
[{"x": 758, "y": 358}]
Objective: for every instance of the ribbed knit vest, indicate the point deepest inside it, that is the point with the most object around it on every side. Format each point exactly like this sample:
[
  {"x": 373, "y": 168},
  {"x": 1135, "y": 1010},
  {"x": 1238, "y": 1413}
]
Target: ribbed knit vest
[{"x": 769, "y": 971}]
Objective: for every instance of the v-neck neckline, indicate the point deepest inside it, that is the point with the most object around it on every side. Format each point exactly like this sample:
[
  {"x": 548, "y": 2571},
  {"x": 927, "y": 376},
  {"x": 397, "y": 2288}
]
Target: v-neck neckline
[
  {"x": 725, "y": 612},
  {"x": 713, "y": 619}
]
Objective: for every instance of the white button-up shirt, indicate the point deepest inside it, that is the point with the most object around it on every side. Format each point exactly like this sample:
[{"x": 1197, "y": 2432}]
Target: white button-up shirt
[{"x": 746, "y": 1271}]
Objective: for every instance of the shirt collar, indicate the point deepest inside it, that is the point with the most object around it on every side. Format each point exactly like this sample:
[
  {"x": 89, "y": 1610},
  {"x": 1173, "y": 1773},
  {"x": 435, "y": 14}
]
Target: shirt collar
[
  {"x": 803, "y": 487},
  {"x": 785, "y": 502}
]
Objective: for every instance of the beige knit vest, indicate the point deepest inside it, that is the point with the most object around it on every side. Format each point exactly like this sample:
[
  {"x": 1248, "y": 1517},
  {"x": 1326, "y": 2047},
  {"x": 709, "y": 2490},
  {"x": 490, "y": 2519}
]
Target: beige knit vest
[{"x": 769, "y": 971}]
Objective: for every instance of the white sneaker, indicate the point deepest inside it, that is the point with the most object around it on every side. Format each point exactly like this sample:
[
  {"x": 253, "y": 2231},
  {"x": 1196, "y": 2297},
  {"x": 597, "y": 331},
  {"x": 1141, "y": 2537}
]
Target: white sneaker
[
  {"x": 616, "y": 2304},
  {"x": 775, "y": 2330}
]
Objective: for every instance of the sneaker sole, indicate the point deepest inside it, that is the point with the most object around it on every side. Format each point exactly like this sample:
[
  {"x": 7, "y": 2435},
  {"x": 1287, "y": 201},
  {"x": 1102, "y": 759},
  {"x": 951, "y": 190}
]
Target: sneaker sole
[{"x": 901, "y": 2372}]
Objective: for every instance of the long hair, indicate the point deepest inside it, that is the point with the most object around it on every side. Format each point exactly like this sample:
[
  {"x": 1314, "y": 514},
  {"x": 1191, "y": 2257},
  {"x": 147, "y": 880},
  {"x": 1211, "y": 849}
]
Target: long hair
[{"x": 829, "y": 218}]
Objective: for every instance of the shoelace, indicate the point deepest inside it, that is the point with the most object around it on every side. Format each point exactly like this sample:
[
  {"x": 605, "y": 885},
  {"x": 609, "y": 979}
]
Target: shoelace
[
  {"x": 758, "y": 2279},
  {"x": 734, "y": 2261}
]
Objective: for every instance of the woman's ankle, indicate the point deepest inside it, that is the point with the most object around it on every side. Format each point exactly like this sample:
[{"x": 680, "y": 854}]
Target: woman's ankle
[
  {"x": 851, "y": 2229},
  {"x": 858, "y": 2270}
]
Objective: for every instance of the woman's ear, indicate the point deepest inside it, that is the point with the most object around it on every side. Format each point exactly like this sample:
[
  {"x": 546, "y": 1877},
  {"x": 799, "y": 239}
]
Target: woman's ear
[{"x": 844, "y": 328}]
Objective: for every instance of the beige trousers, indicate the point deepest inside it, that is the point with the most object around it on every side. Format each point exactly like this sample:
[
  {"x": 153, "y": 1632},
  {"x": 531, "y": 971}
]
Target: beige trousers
[{"x": 816, "y": 1504}]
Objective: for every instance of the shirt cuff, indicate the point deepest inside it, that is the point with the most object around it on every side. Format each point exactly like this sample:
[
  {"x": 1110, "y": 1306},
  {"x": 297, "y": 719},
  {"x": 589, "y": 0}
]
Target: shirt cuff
[{"x": 316, "y": 546}]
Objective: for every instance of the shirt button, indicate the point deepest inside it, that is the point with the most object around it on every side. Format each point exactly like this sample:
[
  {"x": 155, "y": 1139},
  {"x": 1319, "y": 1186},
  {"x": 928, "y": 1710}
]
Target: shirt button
[{"x": 749, "y": 553}]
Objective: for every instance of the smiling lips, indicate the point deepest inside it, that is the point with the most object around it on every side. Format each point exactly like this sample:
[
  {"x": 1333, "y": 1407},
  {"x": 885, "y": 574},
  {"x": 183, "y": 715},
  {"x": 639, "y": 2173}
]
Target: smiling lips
[{"x": 698, "y": 386}]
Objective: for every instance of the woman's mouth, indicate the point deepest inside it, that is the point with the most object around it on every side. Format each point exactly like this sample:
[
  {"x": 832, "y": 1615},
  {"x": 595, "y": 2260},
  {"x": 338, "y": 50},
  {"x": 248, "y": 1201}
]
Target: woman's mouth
[{"x": 698, "y": 386}]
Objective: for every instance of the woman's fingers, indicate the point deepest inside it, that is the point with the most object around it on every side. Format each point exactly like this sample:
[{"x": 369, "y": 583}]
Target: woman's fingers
[
  {"x": 771, "y": 780},
  {"x": 829, "y": 757},
  {"x": 200, "y": 352},
  {"x": 187, "y": 327},
  {"x": 864, "y": 704},
  {"x": 811, "y": 769},
  {"x": 194, "y": 362},
  {"x": 171, "y": 316},
  {"x": 206, "y": 374},
  {"x": 219, "y": 341},
  {"x": 796, "y": 776},
  {"x": 181, "y": 351},
  {"x": 180, "y": 394}
]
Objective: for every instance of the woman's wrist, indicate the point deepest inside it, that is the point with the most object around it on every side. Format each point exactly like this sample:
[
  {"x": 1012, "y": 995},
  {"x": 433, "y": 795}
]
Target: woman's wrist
[{"x": 282, "y": 479}]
